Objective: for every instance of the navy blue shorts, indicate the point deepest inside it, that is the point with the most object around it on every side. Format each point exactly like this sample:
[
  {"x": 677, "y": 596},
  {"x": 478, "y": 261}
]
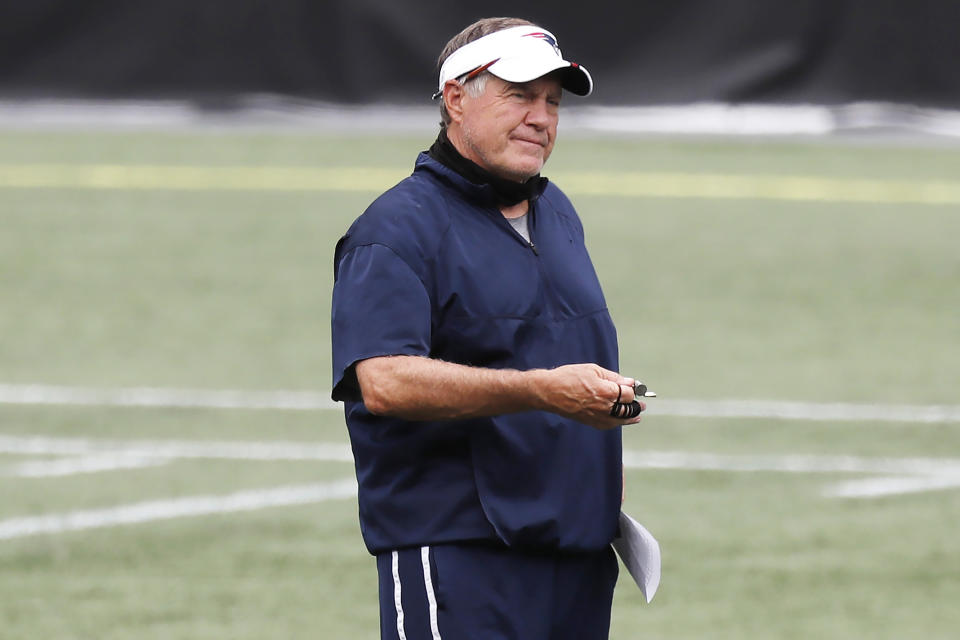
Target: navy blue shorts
[{"x": 473, "y": 592}]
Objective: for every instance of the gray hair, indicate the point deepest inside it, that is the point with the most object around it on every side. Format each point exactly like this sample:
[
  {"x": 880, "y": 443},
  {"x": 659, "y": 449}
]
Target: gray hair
[{"x": 475, "y": 86}]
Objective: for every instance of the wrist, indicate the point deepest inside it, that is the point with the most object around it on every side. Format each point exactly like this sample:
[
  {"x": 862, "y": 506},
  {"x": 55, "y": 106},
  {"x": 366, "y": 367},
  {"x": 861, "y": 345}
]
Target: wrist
[{"x": 536, "y": 386}]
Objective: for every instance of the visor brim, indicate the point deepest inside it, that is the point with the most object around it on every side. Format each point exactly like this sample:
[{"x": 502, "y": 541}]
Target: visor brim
[{"x": 573, "y": 77}]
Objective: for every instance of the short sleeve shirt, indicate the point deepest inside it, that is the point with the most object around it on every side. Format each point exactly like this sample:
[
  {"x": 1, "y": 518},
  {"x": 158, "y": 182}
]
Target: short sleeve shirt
[{"x": 433, "y": 269}]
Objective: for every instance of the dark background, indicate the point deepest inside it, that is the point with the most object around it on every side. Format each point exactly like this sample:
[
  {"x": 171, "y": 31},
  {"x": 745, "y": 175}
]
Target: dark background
[{"x": 349, "y": 51}]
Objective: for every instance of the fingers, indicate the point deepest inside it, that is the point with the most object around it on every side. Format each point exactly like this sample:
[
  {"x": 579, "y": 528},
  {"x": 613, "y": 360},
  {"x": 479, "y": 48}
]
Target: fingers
[
  {"x": 623, "y": 392},
  {"x": 607, "y": 422},
  {"x": 626, "y": 406},
  {"x": 626, "y": 410},
  {"x": 613, "y": 376},
  {"x": 593, "y": 395}
]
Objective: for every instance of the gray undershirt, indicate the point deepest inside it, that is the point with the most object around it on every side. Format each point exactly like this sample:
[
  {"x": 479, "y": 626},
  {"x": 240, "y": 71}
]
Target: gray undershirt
[{"x": 520, "y": 224}]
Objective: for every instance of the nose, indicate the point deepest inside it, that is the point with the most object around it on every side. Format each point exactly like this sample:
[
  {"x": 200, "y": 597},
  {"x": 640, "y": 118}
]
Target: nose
[{"x": 539, "y": 114}]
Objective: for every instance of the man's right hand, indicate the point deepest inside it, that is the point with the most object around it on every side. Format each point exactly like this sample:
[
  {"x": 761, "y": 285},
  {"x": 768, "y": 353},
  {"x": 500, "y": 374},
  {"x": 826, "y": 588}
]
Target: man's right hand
[{"x": 585, "y": 393}]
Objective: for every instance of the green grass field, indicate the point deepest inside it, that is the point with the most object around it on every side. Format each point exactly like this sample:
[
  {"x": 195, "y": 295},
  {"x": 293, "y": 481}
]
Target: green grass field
[{"x": 203, "y": 261}]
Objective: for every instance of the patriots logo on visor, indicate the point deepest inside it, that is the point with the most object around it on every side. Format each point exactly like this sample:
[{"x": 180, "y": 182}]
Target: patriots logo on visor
[{"x": 545, "y": 36}]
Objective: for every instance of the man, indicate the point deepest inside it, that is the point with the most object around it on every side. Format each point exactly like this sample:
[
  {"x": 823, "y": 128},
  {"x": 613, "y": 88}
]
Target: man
[{"x": 477, "y": 361}]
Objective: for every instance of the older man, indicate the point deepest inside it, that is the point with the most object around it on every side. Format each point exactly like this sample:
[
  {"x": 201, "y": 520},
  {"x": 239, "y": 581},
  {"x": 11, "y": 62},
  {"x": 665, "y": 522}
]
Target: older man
[{"x": 477, "y": 360}]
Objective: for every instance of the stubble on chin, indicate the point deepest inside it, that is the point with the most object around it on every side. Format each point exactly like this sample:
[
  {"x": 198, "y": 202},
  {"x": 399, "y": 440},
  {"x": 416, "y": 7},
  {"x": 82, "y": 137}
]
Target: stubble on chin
[{"x": 470, "y": 139}]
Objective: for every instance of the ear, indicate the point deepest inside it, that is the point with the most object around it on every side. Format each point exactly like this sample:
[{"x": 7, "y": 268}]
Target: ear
[{"x": 453, "y": 97}]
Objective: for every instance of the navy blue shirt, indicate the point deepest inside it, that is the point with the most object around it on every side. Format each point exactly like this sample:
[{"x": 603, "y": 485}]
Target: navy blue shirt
[{"x": 433, "y": 269}]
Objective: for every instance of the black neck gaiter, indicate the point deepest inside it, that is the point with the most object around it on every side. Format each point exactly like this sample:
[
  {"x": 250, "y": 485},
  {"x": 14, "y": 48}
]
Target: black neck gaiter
[{"x": 508, "y": 192}]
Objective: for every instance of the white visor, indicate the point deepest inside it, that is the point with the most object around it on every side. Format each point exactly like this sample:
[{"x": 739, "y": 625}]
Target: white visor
[{"x": 517, "y": 54}]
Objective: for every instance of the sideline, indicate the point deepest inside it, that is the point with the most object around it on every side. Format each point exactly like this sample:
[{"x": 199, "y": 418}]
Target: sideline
[{"x": 851, "y": 123}]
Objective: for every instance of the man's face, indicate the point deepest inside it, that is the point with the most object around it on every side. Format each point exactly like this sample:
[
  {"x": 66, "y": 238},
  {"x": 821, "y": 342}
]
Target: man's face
[{"x": 509, "y": 130}]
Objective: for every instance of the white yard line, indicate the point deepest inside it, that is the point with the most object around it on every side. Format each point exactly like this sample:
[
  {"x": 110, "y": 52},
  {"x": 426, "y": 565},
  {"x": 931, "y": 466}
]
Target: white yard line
[
  {"x": 86, "y": 455},
  {"x": 813, "y": 411},
  {"x": 880, "y": 487},
  {"x": 277, "y": 450},
  {"x": 35, "y": 394},
  {"x": 74, "y": 465},
  {"x": 791, "y": 463},
  {"x": 173, "y": 449},
  {"x": 910, "y": 475},
  {"x": 907, "y": 475},
  {"x": 38, "y": 394},
  {"x": 154, "y": 510}
]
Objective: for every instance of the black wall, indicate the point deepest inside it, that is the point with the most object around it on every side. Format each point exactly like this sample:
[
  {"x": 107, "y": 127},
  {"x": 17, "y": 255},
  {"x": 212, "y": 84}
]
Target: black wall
[{"x": 643, "y": 52}]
